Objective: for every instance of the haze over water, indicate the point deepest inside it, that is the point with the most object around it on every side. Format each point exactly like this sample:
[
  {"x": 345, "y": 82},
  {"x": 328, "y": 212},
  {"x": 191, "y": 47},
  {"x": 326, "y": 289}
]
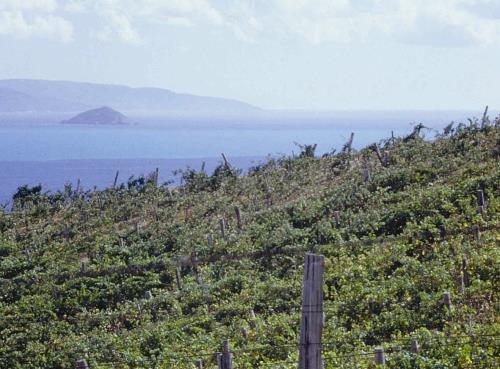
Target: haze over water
[{"x": 54, "y": 154}]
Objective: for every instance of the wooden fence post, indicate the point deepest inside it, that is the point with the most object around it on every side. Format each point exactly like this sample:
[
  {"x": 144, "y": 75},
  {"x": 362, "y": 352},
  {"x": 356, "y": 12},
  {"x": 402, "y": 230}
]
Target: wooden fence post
[
  {"x": 226, "y": 162},
  {"x": 460, "y": 282},
  {"x": 253, "y": 320},
  {"x": 148, "y": 295},
  {"x": 115, "y": 182},
  {"x": 210, "y": 240},
  {"x": 226, "y": 358},
  {"x": 447, "y": 300},
  {"x": 386, "y": 158},
  {"x": 178, "y": 279},
  {"x": 199, "y": 364},
  {"x": 81, "y": 364},
  {"x": 238, "y": 216},
  {"x": 477, "y": 233},
  {"x": 349, "y": 144},
  {"x": 379, "y": 356},
  {"x": 465, "y": 266},
  {"x": 244, "y": 333},
  {"x": 222, "y": 226},
  {"x": 311, "y": 325},
  {"x": 379, "y": 154},
  {"x": 366, "y": 174},
  {"x": 100, "y": 201},
  {"x": 480, "y": 201},
  {"x": 269, "y": 198},
  {"x": 415, "y": 347},
  {"x": 485, "y": 117},
  {"x": 336, "y": 214}
]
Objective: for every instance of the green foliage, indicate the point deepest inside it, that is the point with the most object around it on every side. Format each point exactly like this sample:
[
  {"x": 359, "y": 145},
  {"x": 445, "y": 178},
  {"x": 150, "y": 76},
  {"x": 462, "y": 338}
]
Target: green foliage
[{"x": 75, "y": 266}]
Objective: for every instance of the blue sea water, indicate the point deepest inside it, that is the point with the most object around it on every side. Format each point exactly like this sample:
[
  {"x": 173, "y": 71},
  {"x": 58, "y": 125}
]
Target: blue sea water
[{"x": 53, "y": 154}]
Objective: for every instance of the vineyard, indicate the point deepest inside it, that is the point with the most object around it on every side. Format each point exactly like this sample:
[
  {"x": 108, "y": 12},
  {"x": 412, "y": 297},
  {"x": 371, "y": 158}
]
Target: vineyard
[{"x": 147, "y": 275}]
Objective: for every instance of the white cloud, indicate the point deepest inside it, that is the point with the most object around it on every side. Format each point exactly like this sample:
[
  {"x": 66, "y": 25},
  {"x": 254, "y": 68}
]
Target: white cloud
[
  {"x": 21, "y": 5},
  {"x": 437, "y": 22},
  {"x": 34, "y": 18},
  {"x": 120, "y": 25},
  {"x": 179, "y": 21},
  {"x": 343, "y": 21},
  {"x": 17, "y": 24},
  {"x": 122, "y": 17},
  {"x": 74, "y": 6}
]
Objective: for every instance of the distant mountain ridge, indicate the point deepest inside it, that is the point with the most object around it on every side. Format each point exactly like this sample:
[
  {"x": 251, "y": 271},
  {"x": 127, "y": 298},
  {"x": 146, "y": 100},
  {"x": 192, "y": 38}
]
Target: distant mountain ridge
[{"x": 27, "y": 95}]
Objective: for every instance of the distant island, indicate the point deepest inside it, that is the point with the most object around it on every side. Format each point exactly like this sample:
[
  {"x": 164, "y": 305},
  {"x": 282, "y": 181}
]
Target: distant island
[{"x": 99, "y": 116}]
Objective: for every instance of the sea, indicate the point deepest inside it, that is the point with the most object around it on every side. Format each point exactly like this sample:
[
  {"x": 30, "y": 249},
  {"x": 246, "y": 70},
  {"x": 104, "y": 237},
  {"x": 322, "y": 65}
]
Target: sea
[{"x": 46, "y": 152}]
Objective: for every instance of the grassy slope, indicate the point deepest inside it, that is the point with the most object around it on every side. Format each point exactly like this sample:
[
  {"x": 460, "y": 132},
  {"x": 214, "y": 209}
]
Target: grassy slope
[{"x": 418, "y": 211}]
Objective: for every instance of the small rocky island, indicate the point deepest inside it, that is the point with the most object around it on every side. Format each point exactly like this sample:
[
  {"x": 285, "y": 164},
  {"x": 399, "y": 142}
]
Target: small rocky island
[{"x": 100, "y": 116}]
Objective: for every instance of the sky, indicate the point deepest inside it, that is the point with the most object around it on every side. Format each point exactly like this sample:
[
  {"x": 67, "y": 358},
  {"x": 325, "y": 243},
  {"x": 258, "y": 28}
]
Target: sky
[{"x": 280, "y": 54}]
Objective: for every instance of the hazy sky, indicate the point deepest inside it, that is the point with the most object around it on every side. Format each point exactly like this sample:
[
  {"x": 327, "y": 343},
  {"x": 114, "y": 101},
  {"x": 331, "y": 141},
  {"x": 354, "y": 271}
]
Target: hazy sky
[{"x": 310, "y": 54}]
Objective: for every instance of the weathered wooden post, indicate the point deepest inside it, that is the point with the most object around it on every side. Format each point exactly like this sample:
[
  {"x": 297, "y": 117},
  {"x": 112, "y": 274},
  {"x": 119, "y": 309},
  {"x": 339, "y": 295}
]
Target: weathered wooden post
[
  {"x": 460, "y": 282},
  {"x": 447, "y": 300},
  {"x": 81, "y": 364},
  {"x": 465, "y": 266},
  {"x": 253, "y": 320},
  {"x": 480, "y": 201},
  {"x": 100, "y": 201},
  {"x": 244, "y": 333},
  {"x": 178, "y": 279},
  {"x": 203, "y": 167},
  {"x": 269, "y": 196},
  {"x": 78, "y": 185},
  {"x": 238, "y": 216},
  {"x": 148, "y": 295},
  {"x": 386, "y": 159},
  {"x": 336, "y": 214},
  {"x": 311, "y": 325},
  {"x": 349, "y": 144},
  {"x": 226, "y": 361},
  {"x": 194, "y": 262},
  {"x": 226, "y": 162},
  {"x": 222, "y": 226},
  {"x": 115, "y": 182},
  {"x": 379, "y": 356},
  {"x": 66, "y": 231},
  {"x": 210, "y": 240},
  {"x": 379, "y": 154},
  {"x": 199, "y": 364},
  {"x": 366, "y": 174},
  {"x": 477, "y": 234},
  {"x": 485, "y": 117},
  {"x": 415, "y": 347}
]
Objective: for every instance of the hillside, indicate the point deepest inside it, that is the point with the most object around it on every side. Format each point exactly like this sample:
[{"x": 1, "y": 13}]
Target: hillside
[
  {"x": 140, "y": 276},
  {"x": 12, "y": 101},
  {"x": 98, "y": 116},
  {"x": 19, "y": 95}
]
